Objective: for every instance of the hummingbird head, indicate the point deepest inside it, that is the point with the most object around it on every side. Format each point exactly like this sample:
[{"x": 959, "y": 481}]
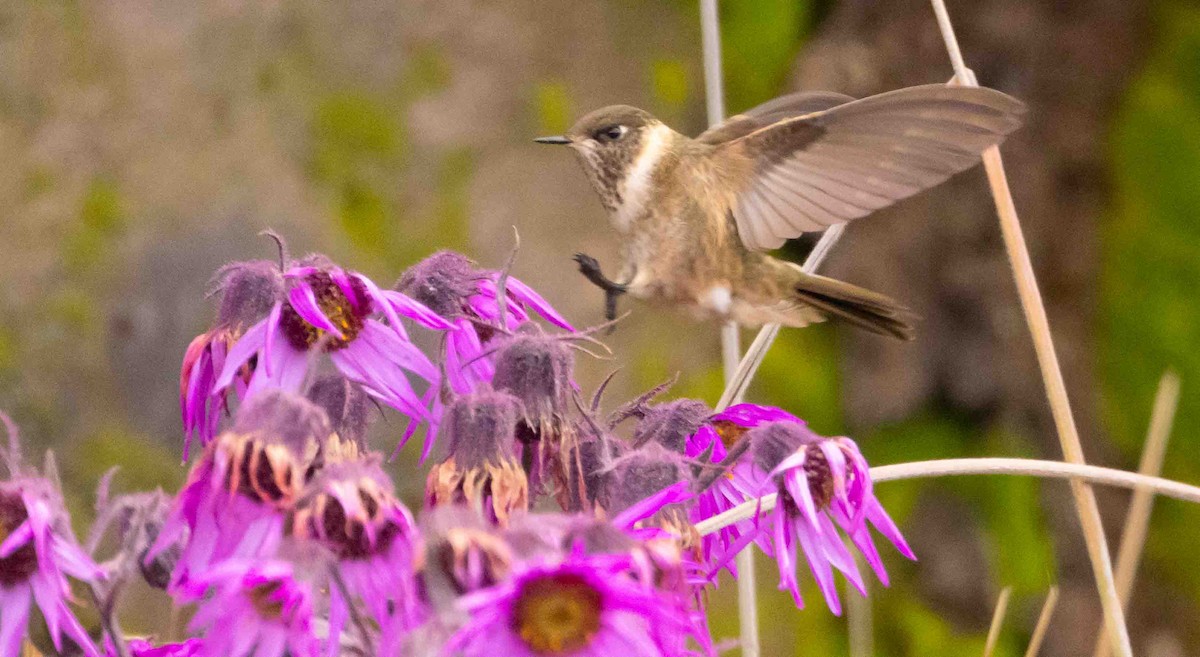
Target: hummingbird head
[{"x": 620, "y": 147}]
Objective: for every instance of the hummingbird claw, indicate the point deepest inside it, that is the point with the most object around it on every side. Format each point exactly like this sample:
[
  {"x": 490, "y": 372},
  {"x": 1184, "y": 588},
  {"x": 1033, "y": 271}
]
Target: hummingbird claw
[{"x": 590, "y": 268}]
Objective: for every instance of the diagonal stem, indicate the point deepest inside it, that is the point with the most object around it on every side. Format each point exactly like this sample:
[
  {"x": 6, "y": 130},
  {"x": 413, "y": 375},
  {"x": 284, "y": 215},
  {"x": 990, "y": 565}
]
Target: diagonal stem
[
  {"x": 993, "y": 635},
  {"x": 1137, "y": 522},
  {"x": 1056, "y": 390}
]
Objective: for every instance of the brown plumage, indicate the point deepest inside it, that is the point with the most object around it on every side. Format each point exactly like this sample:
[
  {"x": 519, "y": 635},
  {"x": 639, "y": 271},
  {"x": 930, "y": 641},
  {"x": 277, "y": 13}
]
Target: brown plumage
[{"x": 696, "y": 214}]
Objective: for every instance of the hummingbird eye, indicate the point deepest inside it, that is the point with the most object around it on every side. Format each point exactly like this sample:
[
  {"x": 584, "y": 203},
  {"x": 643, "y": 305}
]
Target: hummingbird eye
[{"x": 610, "y": 133}]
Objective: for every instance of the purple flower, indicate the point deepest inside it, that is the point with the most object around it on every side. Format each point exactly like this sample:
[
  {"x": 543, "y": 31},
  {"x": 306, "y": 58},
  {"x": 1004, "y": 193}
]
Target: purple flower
[
  {"x": 582, "y": 605},
  {"x": 823, "y": 484},
  {"x": 481, "y": 469},
  {"x": 247, "y": 292},
  {"x": 740, "y": 480},
  {"x": 464, "y": 553},
  {"x": 451, "y": 285},
  {"x": 351, "y": 510},
  {"x": 253, "y": 607},
  {"x": 37, "y": 552},
  {"x": 338, "y": 312},
  {"x": 144, "y": 648},
  {"x": 236, "y": 497}
]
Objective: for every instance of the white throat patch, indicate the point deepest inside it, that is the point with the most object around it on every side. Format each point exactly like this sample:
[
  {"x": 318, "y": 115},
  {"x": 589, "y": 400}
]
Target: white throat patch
[{"x": 637, "y": 184}]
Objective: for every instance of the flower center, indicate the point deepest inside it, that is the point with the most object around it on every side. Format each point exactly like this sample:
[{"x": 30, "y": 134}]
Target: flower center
[
  {"x": 323, "y": 517},
  {"x": 18, "y": 566},
  {"x": 729, "y": 432},
  {"x": 557, "y": 614},
  {"x": 347, "y": 314},
  {"x": 266, "y": 473},
  {"x": 820, "y": 481},
  {"x": 264, "y": 600}
]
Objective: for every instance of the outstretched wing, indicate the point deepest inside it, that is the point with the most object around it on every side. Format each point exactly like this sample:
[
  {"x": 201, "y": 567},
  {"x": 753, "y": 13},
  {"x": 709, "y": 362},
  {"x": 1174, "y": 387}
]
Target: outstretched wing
[
  {"x": 772, "y": 111},
  {"x": 814, "y": 170}
]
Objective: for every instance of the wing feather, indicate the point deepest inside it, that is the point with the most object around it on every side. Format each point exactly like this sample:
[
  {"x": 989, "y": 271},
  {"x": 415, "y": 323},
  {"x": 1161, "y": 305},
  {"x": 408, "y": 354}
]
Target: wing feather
[{"x": 812, "y": 170}]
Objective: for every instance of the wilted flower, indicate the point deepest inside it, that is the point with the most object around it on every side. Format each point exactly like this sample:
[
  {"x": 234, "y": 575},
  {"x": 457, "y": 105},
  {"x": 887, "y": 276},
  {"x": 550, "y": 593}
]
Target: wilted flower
[
  {"x": 670, "y": 424},
  {"x": 649, "y": 487},
  {"x": 253, "y": 607},
  {"x": 463, "y": 553},
  {"x": 351, "y": 510},
  {"x": 585, "y": 476},
  {"x": 482, "y": 469},
  {"x": 37, "y": 552},
  {"x": 346, "y": 405},
  {"x": 539, "y": 370},
  {"x": 329, "y": 308},
  {"x": 820, "y": 482},
  {"x": 583, "y": 605},
  {"x": 451, "y": 285},
  {"x": 247, "y": 291},
  {"x": 236, "y": 497}
]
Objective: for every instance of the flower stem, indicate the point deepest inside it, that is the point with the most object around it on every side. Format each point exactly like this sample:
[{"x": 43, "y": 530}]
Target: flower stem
[{"x": 982, "y": 466}]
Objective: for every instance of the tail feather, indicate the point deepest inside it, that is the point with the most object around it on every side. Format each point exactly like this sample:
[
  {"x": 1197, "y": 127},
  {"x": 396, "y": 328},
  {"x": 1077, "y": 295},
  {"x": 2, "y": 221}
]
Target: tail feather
[{"x": 856, "y": 306}]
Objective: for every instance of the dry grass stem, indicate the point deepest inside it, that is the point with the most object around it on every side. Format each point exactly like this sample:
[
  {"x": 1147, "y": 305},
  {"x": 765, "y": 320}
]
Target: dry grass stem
[
  {"x": 983, "y": 466},
  {"x": 997, "y": 622},
  {"x": 1056, "y": 390},
  {"x": 860, "y": 625},
  {"x": 710, "y": 30},
  {"x": 1137, "y": 522},
  {"x": 1043, "y": 624}
]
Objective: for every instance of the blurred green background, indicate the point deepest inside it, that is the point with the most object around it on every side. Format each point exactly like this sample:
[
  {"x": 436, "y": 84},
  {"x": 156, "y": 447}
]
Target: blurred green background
[{"x": 146, "y": 144}]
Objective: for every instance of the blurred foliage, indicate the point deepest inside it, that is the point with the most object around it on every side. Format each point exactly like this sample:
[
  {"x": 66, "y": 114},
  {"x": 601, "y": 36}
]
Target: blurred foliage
[
  {"x": 553, "y": 108},
  {"x": 1149, "y": 314}
]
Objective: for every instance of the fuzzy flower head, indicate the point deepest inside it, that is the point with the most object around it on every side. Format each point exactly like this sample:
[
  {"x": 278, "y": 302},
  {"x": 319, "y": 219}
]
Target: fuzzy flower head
[
  {"x": 584, "y": 477},
  {"x": 253, "y": 607},
  {"x": 247, "y": 292},
  {"x": 347, "y": 407},
  {"x": 539, "y": 370},
  {"x": 341, "y": 313},
  {"x": 671, "y": 424},
  {"x": 37, "y": 553},
  {"x": 351, "y": 510},
  {"x": 649, "y": 488},
  {"x": 470, "y": 298},
  {"x": 482, "y": 469},
  {"x": 237, "y": 496},
  {"x": 578, "y": 605},
  {"x": 824, "y": 484}
]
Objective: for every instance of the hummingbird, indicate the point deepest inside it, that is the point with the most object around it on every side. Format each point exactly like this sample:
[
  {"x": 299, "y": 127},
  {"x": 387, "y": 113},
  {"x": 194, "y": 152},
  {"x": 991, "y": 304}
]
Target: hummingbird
[{"x": 696, "y": 216}]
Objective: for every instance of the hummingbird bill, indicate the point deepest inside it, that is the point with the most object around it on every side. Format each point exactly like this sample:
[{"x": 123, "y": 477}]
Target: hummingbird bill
[{"x": 696, "y": 216}]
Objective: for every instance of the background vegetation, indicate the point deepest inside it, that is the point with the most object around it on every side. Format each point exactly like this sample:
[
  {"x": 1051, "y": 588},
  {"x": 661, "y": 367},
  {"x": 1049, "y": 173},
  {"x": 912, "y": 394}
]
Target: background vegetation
[{"x": 146, "y": 144}]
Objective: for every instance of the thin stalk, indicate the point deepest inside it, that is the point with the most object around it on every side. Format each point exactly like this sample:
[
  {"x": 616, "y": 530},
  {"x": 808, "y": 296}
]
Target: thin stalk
[
  {"x": 860, "y": 626},
  {"x": 1043, "y": 343},
  {"x": 710, "y": 31},
  {"x": 1133, "y": 536},
  {"x": 993, "y": 634},
  {"x": 981, "y": 466},
  {"x": 1043, "y": 624}
]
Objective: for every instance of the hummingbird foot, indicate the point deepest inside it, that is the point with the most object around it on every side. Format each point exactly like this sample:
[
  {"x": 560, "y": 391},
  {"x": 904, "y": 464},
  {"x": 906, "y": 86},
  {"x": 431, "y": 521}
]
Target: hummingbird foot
[{"x": 590, "y": 268}]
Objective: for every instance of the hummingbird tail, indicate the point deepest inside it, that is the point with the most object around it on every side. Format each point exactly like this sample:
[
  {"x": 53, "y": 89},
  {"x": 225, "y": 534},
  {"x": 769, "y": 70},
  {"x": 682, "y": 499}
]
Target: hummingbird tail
[{"x": 856, "y": 306}]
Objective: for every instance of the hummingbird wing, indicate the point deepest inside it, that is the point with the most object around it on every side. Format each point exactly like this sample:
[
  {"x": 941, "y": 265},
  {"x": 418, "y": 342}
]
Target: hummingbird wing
[
  {"x": 772, "y": 111},
  {"x": 811, "y": 171}
]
